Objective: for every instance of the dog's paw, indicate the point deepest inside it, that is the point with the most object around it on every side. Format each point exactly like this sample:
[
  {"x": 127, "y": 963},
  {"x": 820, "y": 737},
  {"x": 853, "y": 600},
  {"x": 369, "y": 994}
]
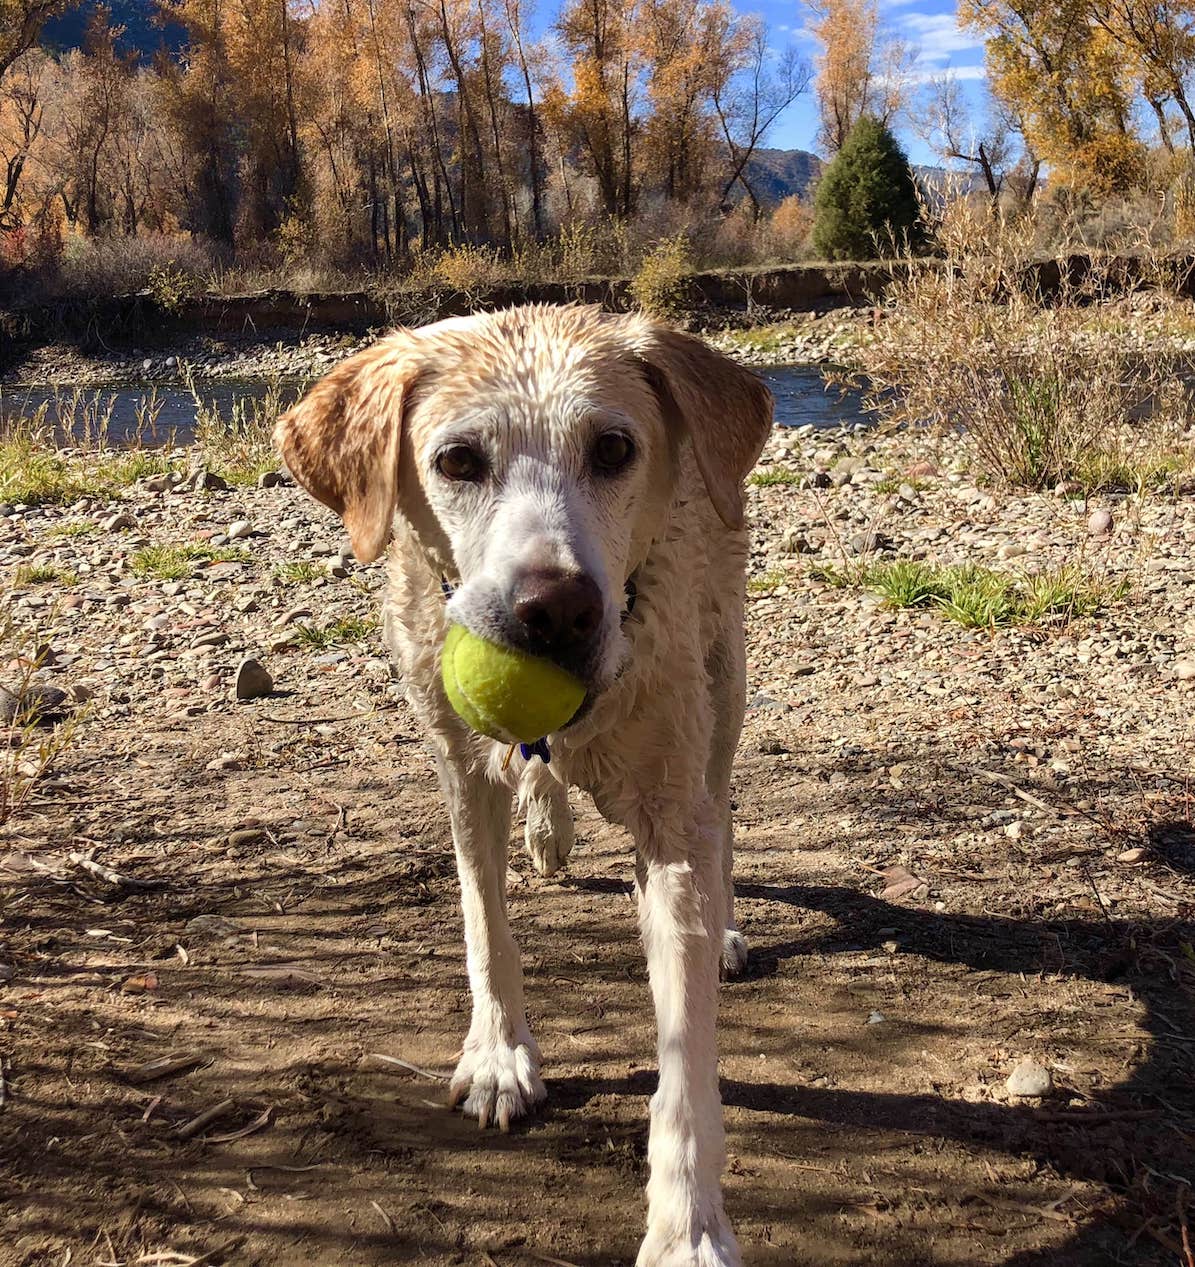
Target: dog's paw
[
  {"x": 714, "y": 1247},
  {"x": 734, "y": 952},
  {"x": 498, "y": 1081},
  {"x": 549, "y": 833}
]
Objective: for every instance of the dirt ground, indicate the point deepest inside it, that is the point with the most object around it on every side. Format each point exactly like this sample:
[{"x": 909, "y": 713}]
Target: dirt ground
[{"x": 286, "y": 919}]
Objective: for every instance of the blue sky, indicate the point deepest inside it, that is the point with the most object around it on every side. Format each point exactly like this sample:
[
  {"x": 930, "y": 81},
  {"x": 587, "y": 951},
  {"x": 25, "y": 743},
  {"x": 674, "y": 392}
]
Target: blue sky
[{"x": 928, "y": 25}]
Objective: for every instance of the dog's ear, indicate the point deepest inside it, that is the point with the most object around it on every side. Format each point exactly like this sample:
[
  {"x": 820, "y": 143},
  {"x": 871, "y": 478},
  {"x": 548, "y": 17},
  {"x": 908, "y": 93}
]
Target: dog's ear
[
  {"x": 725, "y": 408},
  {"x": 341, "y": 440}
]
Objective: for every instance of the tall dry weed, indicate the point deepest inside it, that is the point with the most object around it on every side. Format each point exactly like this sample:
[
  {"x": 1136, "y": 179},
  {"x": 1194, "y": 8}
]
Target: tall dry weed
[{"x": 1039, "y": 363}]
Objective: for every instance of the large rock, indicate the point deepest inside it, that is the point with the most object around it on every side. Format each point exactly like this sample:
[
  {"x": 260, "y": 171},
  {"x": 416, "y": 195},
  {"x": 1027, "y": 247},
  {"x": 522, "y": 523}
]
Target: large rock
[{"x": 253, "y": 680}]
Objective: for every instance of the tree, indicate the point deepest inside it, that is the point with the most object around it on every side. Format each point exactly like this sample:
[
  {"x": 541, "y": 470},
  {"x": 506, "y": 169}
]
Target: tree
[
  {"x": 1067, "y": 78},
  {"x": 749, "y": 102},
  {"x": 866, "y": 202},
  {"x": 21, "y": 22},
  {"x": 944, "y": 121},
  {"x": 859, "y": 70}
]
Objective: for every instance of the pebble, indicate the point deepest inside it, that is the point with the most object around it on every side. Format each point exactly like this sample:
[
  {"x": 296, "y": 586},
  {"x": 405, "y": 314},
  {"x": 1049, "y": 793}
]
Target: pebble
[
  {"x": 270, "y": 479},
  {"x": 1184, "y": 670},
  {"x": 253, "y": 681},
  {"x": 1099, "y": 523},
  {"x": 1030, "y": 1080},
  {"x": 241, "y": 528}
]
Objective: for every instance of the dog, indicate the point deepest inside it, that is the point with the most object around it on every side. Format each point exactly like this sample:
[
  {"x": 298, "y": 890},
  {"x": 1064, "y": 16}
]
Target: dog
[{"x": 568, "y": 482}]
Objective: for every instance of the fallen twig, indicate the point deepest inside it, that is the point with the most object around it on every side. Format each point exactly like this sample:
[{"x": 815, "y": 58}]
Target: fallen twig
[
  {"x": 406, "y": 1064},
  {"x": 385, "y": 1217},
  {"x": 1184, "y": 1229},
  {"x": 164, "y": 1066},
  {"x": 86, "y": 863},
  {"x": 263, "y": 1119},
  {"x": 206, "y": 1118}
]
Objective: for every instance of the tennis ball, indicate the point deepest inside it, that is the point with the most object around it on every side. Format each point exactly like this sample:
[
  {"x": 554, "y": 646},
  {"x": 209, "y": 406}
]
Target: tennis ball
[{"x": 503, "y": 693}]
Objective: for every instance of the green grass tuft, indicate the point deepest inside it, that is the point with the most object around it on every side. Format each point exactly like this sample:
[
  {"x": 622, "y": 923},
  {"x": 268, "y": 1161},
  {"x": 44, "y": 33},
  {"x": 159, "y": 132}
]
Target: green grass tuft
[
  {"x": 42, "y": 574},
  {"x": 301, "y": 573},
  {"x": 977, "y": 597},
  {"x": 774, "y": 475},
  {"x": 174, "y": 563},
  {"x": 767, "y": 581},
  {"x": 338, "y": 632}
]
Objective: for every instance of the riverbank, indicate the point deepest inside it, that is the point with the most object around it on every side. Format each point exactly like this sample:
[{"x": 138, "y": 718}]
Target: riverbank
[{"x": 960, "y": 849}]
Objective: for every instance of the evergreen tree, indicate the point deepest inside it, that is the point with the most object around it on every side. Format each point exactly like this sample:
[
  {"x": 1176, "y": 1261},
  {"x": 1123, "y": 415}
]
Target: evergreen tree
[{"x": 866, "y": 202}]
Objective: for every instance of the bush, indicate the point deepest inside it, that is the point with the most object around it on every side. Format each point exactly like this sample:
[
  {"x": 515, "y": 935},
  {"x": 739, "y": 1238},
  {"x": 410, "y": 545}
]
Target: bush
[
  {"x": 866, "y": 202},
  {"x": 790, "y": 228},
  {"x": 1041, "y": 392},
  {"x": 658, "y": 287}
]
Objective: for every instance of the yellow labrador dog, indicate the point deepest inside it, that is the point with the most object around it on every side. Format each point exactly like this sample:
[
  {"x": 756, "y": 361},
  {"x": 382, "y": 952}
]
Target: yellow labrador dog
[{"x": 569, "y": 482}]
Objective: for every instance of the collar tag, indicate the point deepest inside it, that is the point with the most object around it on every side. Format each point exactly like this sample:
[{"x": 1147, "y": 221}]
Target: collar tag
[{"x": 537, "y": 749}]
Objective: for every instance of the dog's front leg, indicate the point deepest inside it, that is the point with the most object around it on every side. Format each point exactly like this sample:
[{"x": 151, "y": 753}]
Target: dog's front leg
[
  {"x": 498, "y": 1072},
  {"x": 681, "y": 912}
]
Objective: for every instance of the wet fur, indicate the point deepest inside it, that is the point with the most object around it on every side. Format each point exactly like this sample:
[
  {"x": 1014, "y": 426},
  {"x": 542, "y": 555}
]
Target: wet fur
[{"x": 656, "y": 745}]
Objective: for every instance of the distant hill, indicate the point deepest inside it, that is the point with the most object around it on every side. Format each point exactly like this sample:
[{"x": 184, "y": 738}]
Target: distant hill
[
  {"x": 775, "y": 174},
  {"x": 143, "y": 33}
]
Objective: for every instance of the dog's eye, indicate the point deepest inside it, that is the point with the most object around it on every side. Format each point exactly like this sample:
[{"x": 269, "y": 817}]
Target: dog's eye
[
  {"x": 612, "y": 451},
  {"x": 459, "y": 462}
]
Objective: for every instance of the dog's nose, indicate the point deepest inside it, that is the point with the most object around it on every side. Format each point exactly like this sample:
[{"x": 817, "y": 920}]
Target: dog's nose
[{"x": 558, "y": 609}]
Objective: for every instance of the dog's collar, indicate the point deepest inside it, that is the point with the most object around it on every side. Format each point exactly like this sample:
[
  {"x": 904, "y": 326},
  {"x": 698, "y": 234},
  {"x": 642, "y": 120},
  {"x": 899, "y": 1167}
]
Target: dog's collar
[{"x": 540, "y": 747}]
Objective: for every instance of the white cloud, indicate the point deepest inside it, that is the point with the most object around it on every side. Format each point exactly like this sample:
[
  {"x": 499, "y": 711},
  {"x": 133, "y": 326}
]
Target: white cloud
[
  {"x": 923, "y": 74},
  {"x": 936, "y": 35}
]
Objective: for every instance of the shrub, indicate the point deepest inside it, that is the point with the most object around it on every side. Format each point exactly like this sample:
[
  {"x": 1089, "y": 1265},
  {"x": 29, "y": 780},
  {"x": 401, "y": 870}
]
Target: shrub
[
  {"x": 658, "y": 287},
  {"x": 170, "y": 287},
  {"x": 866, "y": 202},
  {"x": 1032, "y": 381},
  {"x": 790, "y": 227}
]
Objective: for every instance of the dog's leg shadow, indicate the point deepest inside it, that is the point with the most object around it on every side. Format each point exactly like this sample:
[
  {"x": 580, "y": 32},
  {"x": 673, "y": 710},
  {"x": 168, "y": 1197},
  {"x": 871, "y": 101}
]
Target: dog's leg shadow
[{"x": 549, "y": 830}]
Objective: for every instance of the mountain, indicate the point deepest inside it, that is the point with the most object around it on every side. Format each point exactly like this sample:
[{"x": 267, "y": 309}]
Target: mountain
[
  {"x": 775, "y": 174},
  {"x": 143, "y": 33}
]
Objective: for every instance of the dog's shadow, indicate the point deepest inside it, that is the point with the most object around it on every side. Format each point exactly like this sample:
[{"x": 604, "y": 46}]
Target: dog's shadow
[{"x": 1138, "y": 1139}]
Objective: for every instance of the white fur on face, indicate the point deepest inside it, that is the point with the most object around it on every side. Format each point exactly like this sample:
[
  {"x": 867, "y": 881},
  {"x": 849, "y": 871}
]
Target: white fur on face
[{"x": 541, "y": 503}]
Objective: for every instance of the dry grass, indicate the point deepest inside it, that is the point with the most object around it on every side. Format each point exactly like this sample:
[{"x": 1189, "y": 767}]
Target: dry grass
[
  {"x": 1043, "y": 395},
  {"x": 28, "y": 745}
]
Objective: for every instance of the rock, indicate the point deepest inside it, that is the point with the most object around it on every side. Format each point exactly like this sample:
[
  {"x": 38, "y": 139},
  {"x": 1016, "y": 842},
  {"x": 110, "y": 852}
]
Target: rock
[
  {"x": 1184, "y": 670},
  {"x": 1010, "y": 550},
  {"x": 253, "y": 680},
  {"x": 209, "y": 480},
  {"x": 865, "y": 542},
  {"x": 270, "y": 479},
  {"x": 921, "y": 471},
  {"x": 247, "y": 836},
  {"x": 35, "y": 702},
  {"x": 215, "y": 638},
  {"x": 296, "y": 613},
  {"x": 1131, "y": 855},
  {"x": 1030, "y": 1080},
  {"x": 238, "y": 530},
  {"x": 114, "y": 523},
  {"x": 1099, "y": 523}
]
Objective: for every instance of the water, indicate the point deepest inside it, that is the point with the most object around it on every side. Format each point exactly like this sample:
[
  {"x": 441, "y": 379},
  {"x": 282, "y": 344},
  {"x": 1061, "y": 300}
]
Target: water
[
  {"x": 166, "y": 411},
  {"x": 804, "y": 399},
  {"x": 150, "y": 414}
]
